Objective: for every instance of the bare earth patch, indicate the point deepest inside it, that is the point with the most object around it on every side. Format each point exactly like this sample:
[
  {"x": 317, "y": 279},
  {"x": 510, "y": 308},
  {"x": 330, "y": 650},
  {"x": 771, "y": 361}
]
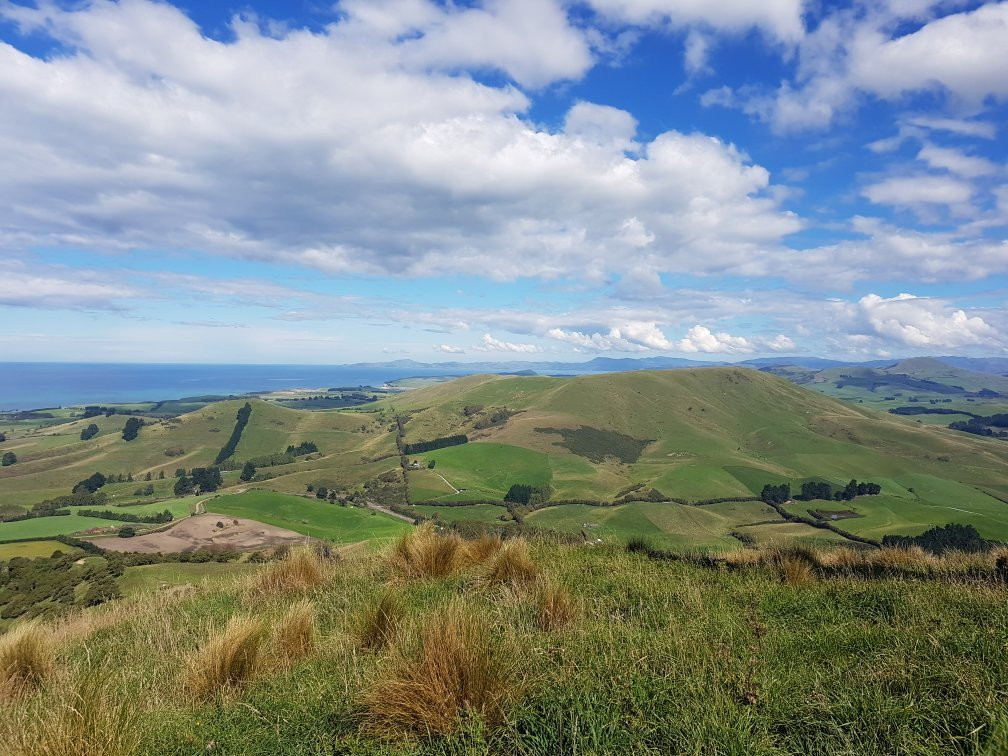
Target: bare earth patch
[{"x": 201, "y": 532}]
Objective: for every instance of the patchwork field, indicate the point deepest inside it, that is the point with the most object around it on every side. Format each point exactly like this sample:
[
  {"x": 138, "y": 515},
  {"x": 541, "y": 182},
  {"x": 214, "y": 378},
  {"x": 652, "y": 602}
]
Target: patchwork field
[{"x": 689, "y": 434}]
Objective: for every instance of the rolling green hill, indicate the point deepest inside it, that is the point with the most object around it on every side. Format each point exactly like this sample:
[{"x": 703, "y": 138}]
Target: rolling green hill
[
  {"x": 709, "y": 433},
  {"x": 689, "y": 434}
]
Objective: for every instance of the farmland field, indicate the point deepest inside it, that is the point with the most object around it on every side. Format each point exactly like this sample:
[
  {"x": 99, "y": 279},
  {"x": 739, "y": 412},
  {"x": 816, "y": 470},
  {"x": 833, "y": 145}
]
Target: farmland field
[{"x": 311, "y": 517}]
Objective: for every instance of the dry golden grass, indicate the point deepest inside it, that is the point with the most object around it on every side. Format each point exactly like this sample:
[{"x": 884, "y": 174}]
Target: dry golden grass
[
  {"x": 425, "y": 553},
  {"x": 555, "y": 608},
  {"x": 511, "y": 567},
  {"x": 482, "y": 548},
  {"x": 26, "y": 658},
  {"x": 83, "y": 714},
  {"x": 228, "y": 659},
  {"x": 913, "y": 559},
  {"x": 301, "y": 569},
  {"x": 460, "y": 670},
  {"x": 377, "y": 626},
  {"x": 839, "y": 558},
  {"x": 793, "y": 570},
  {"x": 295, "y": 635}
]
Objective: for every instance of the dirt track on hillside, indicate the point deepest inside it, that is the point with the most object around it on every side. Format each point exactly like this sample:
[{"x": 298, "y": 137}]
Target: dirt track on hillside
[{"x": 200, "y": 532}]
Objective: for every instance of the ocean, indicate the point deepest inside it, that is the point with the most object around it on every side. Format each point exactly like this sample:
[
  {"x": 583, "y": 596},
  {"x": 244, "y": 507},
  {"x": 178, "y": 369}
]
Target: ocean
[{"x": 40, "y": 385}]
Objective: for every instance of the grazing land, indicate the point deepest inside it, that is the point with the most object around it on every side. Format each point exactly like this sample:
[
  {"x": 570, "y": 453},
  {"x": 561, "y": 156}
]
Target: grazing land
[
  {"x": 311, "y": 517},
  {"x": 690, "y": 435}
]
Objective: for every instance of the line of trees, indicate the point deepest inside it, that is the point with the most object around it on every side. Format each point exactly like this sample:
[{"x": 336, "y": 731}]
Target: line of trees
[
  {"x": 305, "y": 447},
  {"x": 937, "y": 540},
  {"x": 108, "y": 514},
  {"x": 242, "y": 419},
  {"x": 420, "y": 447}
]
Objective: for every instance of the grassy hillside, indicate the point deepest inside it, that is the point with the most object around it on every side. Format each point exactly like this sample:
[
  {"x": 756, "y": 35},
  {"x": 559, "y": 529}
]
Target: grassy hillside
[
  {"x": 710, "y": 433},
  {"x": 690, "y": 434},
  {"x": 558, "y": 650}
]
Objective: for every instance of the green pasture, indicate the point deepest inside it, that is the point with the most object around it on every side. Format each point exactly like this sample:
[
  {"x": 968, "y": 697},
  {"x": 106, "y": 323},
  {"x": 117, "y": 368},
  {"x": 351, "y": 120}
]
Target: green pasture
[
  {"x": 481, "y": 512},
  {"x": 313, "y": 517},
  {"x": 33, "y": 549}
]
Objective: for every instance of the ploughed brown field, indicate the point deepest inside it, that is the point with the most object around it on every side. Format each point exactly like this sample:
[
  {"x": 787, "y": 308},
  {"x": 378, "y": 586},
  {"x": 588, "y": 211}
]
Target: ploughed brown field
[{"x": 201, "y": 532}]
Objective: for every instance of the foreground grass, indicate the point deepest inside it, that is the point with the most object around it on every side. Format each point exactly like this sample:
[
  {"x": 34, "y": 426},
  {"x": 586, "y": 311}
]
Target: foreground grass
[{"x": 600, "y": 651}]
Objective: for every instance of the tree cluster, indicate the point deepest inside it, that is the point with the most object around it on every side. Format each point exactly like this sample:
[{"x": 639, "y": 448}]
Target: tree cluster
[
  {"x": 90, "y": 484},
  {"x": 528, "y": 495},
  {"x": 132, "y": 428},
  {"x": 937, "y": 540},
  {"x": 305, "y": 447},
  {"x": 88, "y": 433},
  {"x": 202, "y": 479},
  {"x": 242, "y": 419},
  {"x": 8, "y": 459},
  {"x": 772, "y": 494}
]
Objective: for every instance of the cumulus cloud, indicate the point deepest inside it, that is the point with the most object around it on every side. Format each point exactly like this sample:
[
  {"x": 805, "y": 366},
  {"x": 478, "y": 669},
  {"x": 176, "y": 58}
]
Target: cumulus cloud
[
  {"x": 961, "y": 56},
  {"x": 366, "y": 147},
  {"x": 918, "y": 322},
  {"x": 448, "y": 349},
  {"x": 701, "y": 339},
  {"x": 632, "y": 336},
  {"x": 490, "y": 344}
]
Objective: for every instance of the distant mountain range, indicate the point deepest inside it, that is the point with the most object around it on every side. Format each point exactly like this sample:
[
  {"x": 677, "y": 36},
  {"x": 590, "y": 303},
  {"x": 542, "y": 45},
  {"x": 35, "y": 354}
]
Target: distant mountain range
[{"x": 991, "y": 365}]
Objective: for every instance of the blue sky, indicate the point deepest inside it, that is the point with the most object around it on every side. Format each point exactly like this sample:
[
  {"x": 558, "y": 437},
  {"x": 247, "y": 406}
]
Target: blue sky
[{"x": 509, "y": 179}]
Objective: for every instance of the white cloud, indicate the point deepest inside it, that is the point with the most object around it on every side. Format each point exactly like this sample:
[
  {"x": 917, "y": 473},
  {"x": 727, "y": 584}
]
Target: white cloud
[
  {"x": 696, "y": 53},
  {"x": 780, "y": 343},
  {"x": 364, "y": 148},
  {"x": 915, "y": 191},
  {"x": 955, "y": 161},
  {"x": 629, "y": 336},
  {"x": 490, "y": 344},
  {"x": 918, "y": 322},
  {"x": 779, "y": 18},
  {"x": 701, "y": 339},
  {"x": 448, "y": 349},
  {"x": 62, "y": 289},
  {"x": 960, "y": 56}
]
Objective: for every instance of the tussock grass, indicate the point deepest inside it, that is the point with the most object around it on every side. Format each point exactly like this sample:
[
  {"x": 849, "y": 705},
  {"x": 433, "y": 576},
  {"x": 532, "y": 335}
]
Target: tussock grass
[
  {"x": 378, "y": 625},
  {"x": 84, "y": 714},
  {"x": 555, "y": 608},
  {"x": 460, "y": 670},
  {"x": 295, "y": 635},
  {"x": 482, "y": 548},
  {"x": 228, "y": 659},
  {"x": 511, "y": 567},
  {"x": 426, "y": 553},
  {"x": 26, "y": 658},
  {"x": 301, "y": 569},
  {"x": 793, "y": 570}
]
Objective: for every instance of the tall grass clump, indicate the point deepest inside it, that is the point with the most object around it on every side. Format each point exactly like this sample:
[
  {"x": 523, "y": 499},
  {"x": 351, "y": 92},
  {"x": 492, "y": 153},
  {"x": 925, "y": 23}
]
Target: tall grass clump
[
  {"x": 26, "y": 657},
  {"x": 295, "y": 635},
  {"x": 555, "y": 608},
  {"x": 301, "y": 569},
  {"x": 425, "y": 553},
  {"x": 84, "y": 715},
  {"x": 460, "y": 670},
  {"x": 480, "y": 549},
  {"x": 378, "y": 625},
  {"x": 512, "y": 566},
  {"x": 228, "y": 659}
]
